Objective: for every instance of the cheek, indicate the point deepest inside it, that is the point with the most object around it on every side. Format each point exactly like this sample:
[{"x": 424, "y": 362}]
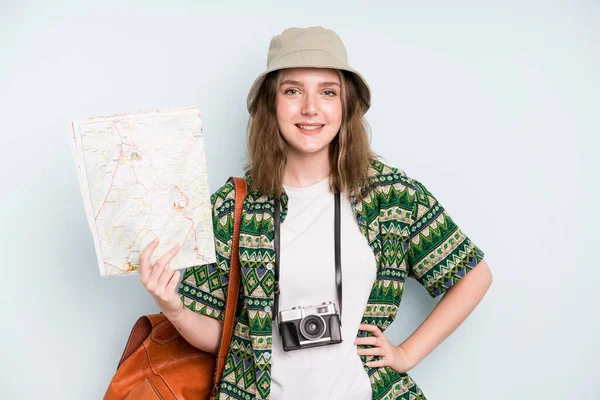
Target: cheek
[
  {"x": 333, "y": 113},
  {"x": 285, "y": 110}
]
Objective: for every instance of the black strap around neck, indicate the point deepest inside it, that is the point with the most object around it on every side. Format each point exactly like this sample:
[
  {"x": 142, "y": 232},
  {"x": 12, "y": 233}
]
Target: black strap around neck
[{"x": 338, "y": 262}]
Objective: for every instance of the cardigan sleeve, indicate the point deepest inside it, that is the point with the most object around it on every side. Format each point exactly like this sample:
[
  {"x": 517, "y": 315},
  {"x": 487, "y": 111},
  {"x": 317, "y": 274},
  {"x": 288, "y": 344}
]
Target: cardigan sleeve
[
  {"x": 439, "y": 252},
  {"x": 203, "y": 288}
]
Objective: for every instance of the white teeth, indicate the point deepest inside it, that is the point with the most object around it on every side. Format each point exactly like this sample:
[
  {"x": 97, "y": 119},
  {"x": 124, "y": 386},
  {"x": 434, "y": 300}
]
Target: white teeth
[{"x": 310, "y": 128}]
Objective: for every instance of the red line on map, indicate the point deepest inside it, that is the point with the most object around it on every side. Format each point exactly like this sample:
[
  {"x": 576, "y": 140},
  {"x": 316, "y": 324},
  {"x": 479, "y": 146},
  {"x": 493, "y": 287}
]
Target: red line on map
[
  {"x": 138, "y": 179},
  {"x": 142, "y": 228},
  {"x": 113, "y": 177},
  {"x": 187, "y": 202},
  {"x": 187, "y": 199},
  {"x": 113, "y": 265},
  {"x": 195, "y": 236}
]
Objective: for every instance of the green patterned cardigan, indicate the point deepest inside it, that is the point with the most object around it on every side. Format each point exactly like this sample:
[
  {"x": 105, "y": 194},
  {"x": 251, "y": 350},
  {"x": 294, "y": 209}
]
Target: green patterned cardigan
[{"x": 409, "y": 232}]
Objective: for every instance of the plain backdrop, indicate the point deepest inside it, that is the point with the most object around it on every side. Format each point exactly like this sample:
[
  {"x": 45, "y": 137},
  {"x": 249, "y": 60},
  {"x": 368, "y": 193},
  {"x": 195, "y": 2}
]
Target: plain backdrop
[{"x": 493, "y": 105}]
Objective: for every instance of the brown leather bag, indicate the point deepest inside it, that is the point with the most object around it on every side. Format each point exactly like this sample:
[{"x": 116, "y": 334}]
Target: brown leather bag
[{"x": 158, "y": 363}]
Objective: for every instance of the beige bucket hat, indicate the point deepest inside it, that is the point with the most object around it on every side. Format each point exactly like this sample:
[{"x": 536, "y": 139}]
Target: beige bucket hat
[{"x": 314, "y": 47}]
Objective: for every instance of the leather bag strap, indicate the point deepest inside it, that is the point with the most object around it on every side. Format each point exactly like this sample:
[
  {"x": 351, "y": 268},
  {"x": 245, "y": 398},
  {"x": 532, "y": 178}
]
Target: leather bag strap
[{"x": 234, "y": 282}]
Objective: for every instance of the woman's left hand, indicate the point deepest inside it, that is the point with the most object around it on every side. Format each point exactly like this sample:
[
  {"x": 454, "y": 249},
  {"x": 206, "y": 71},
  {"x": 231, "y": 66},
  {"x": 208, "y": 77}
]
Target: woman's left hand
[{"x": 392, "y": 356}]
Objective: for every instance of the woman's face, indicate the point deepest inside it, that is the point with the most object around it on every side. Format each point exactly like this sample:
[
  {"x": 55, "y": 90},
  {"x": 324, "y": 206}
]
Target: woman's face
[{"x": 309, "y": 109}]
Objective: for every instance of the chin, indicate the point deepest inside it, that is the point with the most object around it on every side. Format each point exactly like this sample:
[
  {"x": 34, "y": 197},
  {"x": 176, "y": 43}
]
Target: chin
[
  {"x": 308, "y": 150},
  {"x": 310, "y": 145}
]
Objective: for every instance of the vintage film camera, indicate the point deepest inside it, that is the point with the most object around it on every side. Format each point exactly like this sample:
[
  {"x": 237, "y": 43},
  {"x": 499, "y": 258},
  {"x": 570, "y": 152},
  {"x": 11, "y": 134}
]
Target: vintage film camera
[{"x": 303, "y": 327}]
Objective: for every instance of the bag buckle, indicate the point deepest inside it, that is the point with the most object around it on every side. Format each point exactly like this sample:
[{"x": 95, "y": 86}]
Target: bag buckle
[
  {"x": 277, "y": 287},
  {"x": 215, "y": 389}
]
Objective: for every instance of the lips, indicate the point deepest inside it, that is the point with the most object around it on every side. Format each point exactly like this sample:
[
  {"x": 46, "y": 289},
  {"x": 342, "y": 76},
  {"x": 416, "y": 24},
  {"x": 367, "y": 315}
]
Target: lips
[
  {"x": 311, "y": 127},
  {"x": 309, "y": 130}
]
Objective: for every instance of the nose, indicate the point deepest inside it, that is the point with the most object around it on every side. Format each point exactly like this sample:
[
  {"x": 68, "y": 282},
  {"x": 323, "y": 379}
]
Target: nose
[{"x": 310, "y": 106}]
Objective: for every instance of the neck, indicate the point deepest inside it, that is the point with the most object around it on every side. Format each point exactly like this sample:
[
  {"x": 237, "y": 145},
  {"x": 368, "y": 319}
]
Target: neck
[{"x": 302, "y": 170}]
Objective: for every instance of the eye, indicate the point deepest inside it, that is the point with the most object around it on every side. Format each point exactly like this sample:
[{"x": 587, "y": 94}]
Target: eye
[
  {"x": 290, "y": 91},
  {"x": 330, "y": 93}
]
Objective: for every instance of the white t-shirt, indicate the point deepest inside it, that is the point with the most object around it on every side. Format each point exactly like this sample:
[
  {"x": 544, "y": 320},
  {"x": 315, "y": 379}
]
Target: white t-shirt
[{"x": 307, "y": 277}]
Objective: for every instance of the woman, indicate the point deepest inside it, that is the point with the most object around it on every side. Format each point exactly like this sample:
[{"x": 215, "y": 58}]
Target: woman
[{"x": 307, "y": 141}]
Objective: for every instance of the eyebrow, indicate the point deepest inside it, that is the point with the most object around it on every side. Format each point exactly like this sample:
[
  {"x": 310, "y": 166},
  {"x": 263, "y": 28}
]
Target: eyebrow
[{"x": 296, "y": 83}]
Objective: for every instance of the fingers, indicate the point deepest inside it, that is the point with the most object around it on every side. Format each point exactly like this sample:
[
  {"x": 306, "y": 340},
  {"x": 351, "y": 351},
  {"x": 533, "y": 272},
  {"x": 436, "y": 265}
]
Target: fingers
[
  {"x": 162, "y": 282},
  {"x": 172, "y": 285},
  {"x": 375, "y": 351},
  {"x": 145, "y": 260},
  {"x": 158, "y": 268},
  {"x": 167, "y": 283},
  {"x": 371, "y": 328},
  {"x": 377, "y": 339},
  {"x": 371, "y": 341},
  {"x": 382, "y": 347},
  {"x": 377, "y": 364}
]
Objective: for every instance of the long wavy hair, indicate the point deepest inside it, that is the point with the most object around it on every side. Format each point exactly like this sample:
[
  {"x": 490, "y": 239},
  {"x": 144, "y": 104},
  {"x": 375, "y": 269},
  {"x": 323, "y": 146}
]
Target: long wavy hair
[{"x": 350, "y": 152}]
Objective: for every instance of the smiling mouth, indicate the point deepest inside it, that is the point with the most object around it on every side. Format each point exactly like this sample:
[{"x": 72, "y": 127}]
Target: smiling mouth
[{"x": 310, "y": 127}]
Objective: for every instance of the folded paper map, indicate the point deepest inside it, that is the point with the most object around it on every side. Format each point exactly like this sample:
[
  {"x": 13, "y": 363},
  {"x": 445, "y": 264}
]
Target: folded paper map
[{"x": 143, "y": 176}]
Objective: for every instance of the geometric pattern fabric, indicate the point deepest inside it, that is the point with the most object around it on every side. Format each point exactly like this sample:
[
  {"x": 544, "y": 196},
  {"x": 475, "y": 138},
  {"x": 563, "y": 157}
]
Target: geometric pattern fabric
[{"x": 409, "y": 232}]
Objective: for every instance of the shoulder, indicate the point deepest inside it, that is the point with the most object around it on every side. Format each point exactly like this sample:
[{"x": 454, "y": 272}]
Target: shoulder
[
  {"x": 223, "y": 209},
  {"x": 221, "y": 198},
  {"x": 385, "y": 177},
  {"x": 401, "y": 195}
]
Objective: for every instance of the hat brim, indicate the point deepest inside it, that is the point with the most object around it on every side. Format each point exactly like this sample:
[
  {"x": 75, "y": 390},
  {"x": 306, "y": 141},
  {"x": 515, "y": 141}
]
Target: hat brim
[{"x": 311, "y": 59}]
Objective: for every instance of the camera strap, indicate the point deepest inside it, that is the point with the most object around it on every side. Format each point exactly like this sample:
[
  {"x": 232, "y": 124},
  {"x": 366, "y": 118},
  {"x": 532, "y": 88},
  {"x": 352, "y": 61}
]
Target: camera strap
[{"x": 338, "y": 262}]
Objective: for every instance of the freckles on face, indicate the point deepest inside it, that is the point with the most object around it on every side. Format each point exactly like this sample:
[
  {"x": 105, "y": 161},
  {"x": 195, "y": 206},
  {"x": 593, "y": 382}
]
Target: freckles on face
[{"x": 309, "y": 108}]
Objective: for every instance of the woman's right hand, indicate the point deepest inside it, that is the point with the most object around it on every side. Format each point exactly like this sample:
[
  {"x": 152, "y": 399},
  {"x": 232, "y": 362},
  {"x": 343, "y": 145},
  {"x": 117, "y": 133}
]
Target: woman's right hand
[{"x": 160, "y": 280}]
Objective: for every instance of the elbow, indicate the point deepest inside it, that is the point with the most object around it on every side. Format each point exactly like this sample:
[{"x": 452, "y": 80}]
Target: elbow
[{"x": 485, "y": 274}]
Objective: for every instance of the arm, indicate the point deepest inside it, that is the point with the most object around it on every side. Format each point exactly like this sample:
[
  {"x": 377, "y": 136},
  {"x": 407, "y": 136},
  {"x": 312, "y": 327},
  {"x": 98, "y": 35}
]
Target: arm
[
  {"x": 199, "y": 312},
  {"x": 434, "y": 239},
  {"x": 454, "y": 307},
  {"x": 199, "y": 330}
]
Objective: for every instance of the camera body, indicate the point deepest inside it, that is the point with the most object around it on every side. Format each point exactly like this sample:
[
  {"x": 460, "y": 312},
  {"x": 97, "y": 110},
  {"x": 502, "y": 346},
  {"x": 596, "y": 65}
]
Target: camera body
[{"x": 304, "y": 327}]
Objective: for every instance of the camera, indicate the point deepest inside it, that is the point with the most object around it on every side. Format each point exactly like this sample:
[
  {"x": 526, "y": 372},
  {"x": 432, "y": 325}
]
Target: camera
[{"x": 303, "y": 327}]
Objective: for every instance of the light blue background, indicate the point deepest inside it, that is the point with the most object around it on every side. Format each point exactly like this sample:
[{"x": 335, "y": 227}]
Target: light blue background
[{"x": 493, "y": 105}]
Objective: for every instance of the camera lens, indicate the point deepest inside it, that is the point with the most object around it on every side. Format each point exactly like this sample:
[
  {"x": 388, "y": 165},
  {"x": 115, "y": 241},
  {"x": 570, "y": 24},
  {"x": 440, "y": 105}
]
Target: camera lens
[{"x": 312, "y": 327}]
